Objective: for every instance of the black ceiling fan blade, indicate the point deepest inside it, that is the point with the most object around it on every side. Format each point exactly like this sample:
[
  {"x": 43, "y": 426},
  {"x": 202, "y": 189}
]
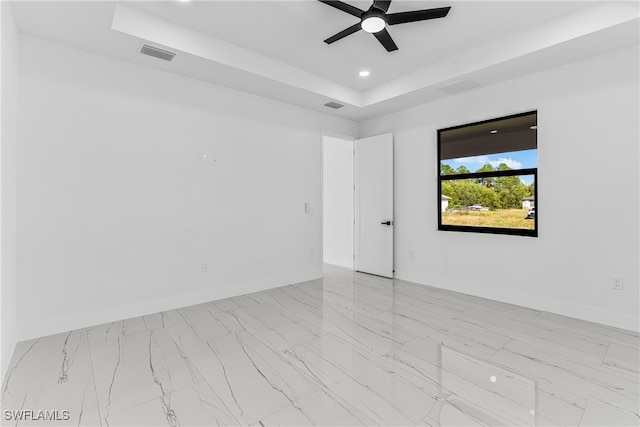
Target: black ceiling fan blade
[
  {"x": 344, "y": 33},
  {"x": 351, "y": 10},
  {"x": 384, "y": 37},
  {"x": 417, "y": 15},
  {"x": 383, "y": 5}
]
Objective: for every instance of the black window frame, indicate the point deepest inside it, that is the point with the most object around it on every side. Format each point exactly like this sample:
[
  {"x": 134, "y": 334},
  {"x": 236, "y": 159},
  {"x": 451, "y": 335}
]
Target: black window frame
[{"x": 494, "y": 174}]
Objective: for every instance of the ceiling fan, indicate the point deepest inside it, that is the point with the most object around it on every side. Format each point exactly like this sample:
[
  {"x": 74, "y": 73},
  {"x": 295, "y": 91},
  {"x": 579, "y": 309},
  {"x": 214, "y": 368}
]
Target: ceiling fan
[{"x": 375, "y": 19}]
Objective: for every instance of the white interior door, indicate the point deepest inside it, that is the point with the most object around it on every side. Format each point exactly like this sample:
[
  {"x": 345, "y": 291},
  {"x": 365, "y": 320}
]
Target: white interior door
[{"x": 374, "y": 205}]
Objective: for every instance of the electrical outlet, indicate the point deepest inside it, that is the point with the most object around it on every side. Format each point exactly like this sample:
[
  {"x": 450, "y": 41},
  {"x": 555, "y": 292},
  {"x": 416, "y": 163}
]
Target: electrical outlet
[
  {"x": 204, "y": 159},
  {"x": 411, "y": 255},
  {"x": 616, "y": 284},
  {"x": 205, "y": 267}
]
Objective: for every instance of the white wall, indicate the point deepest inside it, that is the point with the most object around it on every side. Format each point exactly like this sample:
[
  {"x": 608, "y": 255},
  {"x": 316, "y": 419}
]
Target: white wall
[
  {"x": 337, "y": 201},
  {"x": 8, "y": 147},
  {"x": 116, "y": 214},
  {"x": 588, "y": 133}
]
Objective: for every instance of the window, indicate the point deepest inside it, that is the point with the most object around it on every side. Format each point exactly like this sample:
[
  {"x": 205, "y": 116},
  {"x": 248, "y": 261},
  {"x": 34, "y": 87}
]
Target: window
[{"x": 488, "y": 176}]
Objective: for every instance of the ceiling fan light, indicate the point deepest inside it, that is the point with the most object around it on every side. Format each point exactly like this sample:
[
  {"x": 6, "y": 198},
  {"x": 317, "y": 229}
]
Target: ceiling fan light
[{"x": 373, "y": 24}]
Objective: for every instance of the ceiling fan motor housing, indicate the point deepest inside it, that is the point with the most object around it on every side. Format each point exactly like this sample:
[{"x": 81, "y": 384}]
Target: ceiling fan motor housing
[{"x": 373, "y": 20}]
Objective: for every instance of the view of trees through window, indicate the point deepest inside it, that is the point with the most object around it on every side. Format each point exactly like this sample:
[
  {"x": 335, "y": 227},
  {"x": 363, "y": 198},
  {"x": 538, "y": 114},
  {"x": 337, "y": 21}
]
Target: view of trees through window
[{"x": 488, "y": 176}]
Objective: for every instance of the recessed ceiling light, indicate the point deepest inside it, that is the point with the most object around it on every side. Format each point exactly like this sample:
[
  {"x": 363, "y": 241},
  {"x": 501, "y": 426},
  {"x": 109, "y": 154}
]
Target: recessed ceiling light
[
  {"x": 493, "y": 378},
  {"x": 494, "y": 131},
  {"x": 364, "y": 73}
]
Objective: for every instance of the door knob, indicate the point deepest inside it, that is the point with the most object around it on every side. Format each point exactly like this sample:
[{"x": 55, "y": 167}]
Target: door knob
[{"x": 387, "y": 223}]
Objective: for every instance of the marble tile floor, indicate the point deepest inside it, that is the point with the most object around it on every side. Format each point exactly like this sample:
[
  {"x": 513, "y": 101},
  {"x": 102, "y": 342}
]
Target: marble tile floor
[{"x": 349, "y": 349}]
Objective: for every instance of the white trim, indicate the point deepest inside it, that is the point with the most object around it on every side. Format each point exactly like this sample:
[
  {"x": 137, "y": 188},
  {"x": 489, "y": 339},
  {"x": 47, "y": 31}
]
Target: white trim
[
  {"x": 58, "y": 324},
  {"x": 337, "y": 135},
  {"x": 591, "y": 314}
]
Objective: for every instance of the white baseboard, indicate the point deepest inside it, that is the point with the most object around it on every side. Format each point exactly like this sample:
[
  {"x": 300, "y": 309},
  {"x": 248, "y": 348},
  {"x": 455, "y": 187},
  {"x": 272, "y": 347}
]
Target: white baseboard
[
  {"x": 339, "y": 263},
  {"x": 49, "y": 326},
  {"x": 591, "y": 314}
]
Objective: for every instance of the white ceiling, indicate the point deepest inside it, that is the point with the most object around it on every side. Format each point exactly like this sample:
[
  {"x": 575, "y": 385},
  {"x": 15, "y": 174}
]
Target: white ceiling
[{"x": 276, "y": 48}]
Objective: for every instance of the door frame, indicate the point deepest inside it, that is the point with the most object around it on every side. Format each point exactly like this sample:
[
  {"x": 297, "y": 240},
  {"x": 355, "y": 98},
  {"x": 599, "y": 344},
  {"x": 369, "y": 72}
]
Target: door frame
[{"x": 352, "y": 139}]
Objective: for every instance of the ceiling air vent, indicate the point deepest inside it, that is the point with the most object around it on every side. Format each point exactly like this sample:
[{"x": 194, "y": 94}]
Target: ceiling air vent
[
  {"x": 157, "y": 52},
  {"x": 333, "y": 105},
  {"x": 459, "y": 86}
]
